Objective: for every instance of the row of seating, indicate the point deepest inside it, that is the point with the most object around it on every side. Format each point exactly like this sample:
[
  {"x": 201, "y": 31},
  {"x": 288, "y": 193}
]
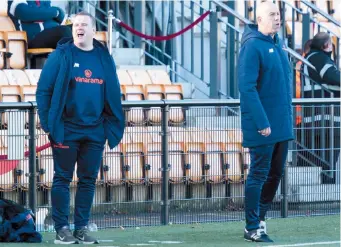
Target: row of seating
[
  {"x": 15, "y": 54},
  {"x": 217, "y": 157},
  {"x": 21, "y": 85},
  {"x": 135, "y": 85}
]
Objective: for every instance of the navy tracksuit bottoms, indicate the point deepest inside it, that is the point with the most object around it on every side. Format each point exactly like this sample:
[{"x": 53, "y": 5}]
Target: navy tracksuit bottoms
[
  {"x": 267, "y": 166},
  {"x": 87, "y": 150}
]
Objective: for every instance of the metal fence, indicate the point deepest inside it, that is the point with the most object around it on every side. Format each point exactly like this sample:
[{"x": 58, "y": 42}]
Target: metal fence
[{"x": 179, "y": 162}]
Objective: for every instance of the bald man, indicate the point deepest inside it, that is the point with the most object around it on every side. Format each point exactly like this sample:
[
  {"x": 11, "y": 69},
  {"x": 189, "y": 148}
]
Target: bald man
[{"x": 265, "y": 85}]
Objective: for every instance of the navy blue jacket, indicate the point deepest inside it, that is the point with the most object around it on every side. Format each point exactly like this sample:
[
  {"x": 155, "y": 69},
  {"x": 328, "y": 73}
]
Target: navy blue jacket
[
  {"x": 53, "y": 86},
  {"x": 18, "y": 223},
  {"x": 265, "y": 86},
  {"x": 28, "y": 16}
]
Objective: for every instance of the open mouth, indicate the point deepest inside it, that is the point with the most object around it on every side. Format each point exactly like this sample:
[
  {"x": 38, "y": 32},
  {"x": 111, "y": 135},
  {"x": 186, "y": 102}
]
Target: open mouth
[{"x": 80, "y": 35}]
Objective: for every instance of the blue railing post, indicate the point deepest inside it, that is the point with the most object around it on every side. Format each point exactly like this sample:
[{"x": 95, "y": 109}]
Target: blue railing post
[{"x": 215, "y": 57}]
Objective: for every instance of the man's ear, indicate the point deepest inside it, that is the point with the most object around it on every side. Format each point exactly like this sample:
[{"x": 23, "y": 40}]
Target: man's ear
[{"x": 259, "y": 19}]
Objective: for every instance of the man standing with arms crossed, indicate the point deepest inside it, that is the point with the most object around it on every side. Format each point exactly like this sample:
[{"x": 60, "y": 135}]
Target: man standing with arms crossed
[
  {"x": 79, "y": 106},
  {"x": 265, "y": 85}
]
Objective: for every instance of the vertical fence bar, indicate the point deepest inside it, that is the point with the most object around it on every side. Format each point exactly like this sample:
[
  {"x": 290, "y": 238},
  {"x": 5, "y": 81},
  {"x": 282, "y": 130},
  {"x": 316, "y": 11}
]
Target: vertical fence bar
[
  {"x": 192, "y": 36},
  {"x": 215, "y": 79},
  {"x": 284, "y": 192},
  {"x": 337, "y": 52},
  {"x": 228, "y": 61},
  {"x": 173, "y": 41},
  {"x": 231, "y": 52},
  {"x": 165, "y": 168},
  {"x": 32, "y": 160},
  {"x": 305, "y": 28},
  {"x": 153, "y": 30},
  {"x": 202, "y": 69},
  {"x": 163, "y": 30},
  {"x": 283, "y": 20},
  {"x": 117, "y": 9},
  {"x": 331, "y": 138},
  {"x": 139, "y": 21},
  {"x": 182, "y": 36},
  {"x": 110, "y": 30},
  {"x": 293, "y": 33}
]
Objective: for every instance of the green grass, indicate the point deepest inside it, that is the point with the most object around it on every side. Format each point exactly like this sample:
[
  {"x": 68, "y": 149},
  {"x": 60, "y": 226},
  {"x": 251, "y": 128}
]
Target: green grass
[{"x": 283, "y": 231}]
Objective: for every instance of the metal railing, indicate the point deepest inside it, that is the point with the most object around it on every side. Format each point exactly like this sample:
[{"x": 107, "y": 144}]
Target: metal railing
[{"x": 189, "y": 166}]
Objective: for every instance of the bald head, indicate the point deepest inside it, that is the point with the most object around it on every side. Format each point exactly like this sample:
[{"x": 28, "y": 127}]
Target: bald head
[{"x": 268, "y": 18}]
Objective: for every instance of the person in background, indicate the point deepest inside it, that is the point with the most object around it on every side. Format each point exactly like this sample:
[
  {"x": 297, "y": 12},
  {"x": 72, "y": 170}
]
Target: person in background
[
  {"x": 314, "y": 132},
  {"x": 40, "y": 20},
  {"x": 79, "y": 107},
  {"x": 325, "y": 72},
  {"x": 265, "y": 86}
]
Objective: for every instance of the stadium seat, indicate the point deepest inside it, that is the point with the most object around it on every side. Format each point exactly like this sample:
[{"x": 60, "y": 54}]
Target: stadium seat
[
  {"x": 45, "y": 161},
  {"x": 45, "y": 171},
  {"x": 155, "y": 133},
  {"x": 215, "y": 169},
  {"x": 288, "y": 11},
  {"x": 154, "y": 92},
  {"x": 137, "y": 134},
  {"x": 240, "y": 7},
  {"x": 112, "y": 165},
  {"x": 233, "y": 161},
  {"x": 178, "y": 134},
  {"x": 6, "y": 23},
  {"x": 219, "y": 136},
  {"x": 135, "y": 115},
  {"x": 17, "y": 77},
  {"x": 194, "y": 153},
  {"x": 335, "y": 9},
  {"x": 153, "y": 163},
  {"x": 322, "y": 5},
  {"x": 10, "y": 93},
  {"x": 123, "y": 77},
  {"x": 139, "y": 77},
  {"x": 22, "y": 172},
  {"x": 28, "y": 93},
  {"x": 3, "y": 78},
  {"x": 102, "y": 37},
  {"x": 17, "y": 45},
  {"x": 235, "y": 136},
  {"x": 33, "y": 75},
  {"x": 330, "y": 28},
  {"x": 159, "y": 77},
  {"x": 200, "y": 135},
  {"x": 176, "y": 162},
  {"x": 133, "y": 164},
  {"x": 298, "y": 33},
  {"x": 176, "y": 114}
]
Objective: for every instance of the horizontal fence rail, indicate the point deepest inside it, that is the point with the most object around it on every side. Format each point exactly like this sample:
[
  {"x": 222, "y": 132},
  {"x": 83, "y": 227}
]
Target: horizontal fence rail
[{"x": 178, "y": 162}]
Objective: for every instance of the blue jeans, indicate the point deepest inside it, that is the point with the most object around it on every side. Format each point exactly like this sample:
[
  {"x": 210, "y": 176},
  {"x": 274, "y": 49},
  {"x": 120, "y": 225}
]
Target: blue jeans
[
  {"x": 87, "y": 150},
  {"x": 267, "y": 166}
]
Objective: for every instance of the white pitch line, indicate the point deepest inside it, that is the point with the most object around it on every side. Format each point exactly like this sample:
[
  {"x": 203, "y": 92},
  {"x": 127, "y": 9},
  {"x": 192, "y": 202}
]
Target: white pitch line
[
  {"x": 166, "y": 242},
  {"x": 141, "y": 244},
  {"x": 305, "y": 244}
]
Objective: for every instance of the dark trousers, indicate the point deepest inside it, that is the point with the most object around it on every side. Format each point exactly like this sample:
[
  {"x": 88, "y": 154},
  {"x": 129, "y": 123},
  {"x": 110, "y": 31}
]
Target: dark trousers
[
  {"x": 267, "y": 166},
  {"x": 87, "y": 151},
  {"x": 49, "y": 38}
]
